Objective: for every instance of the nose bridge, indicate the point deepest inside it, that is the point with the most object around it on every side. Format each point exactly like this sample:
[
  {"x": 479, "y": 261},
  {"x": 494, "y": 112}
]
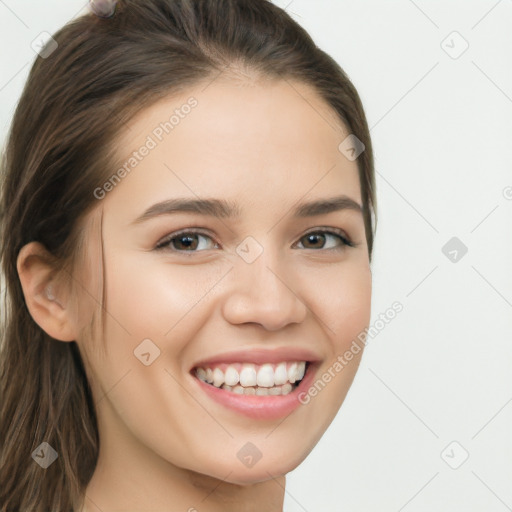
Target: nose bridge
[
  {"x": 260, "y": 266},
  {"x": 261, "y": 291}
]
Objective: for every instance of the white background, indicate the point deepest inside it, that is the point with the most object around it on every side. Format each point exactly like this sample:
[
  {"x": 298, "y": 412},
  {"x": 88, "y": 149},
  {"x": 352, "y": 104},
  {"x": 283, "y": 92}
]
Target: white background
[{"x": 442, "y": 132}]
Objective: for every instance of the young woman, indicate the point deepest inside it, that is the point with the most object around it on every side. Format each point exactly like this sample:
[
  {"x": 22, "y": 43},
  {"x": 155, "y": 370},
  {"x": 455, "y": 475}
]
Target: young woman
[{"x": 188, "y": 212}]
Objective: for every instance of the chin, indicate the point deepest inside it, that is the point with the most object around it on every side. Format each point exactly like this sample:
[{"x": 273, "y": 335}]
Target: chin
[{"x": 282, "y": 461}]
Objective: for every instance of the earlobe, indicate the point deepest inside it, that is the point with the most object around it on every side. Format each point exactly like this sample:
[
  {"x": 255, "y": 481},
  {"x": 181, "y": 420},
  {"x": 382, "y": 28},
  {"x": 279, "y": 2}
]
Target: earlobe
[{"x": 45, "y": 300}]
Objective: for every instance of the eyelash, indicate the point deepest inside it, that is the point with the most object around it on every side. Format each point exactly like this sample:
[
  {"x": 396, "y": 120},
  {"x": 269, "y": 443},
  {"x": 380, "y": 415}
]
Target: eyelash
[{"x": 164, "y": 244}]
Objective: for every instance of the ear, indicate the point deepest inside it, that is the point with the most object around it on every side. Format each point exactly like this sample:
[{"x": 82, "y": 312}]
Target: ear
[{"x": 46, "y": 298}]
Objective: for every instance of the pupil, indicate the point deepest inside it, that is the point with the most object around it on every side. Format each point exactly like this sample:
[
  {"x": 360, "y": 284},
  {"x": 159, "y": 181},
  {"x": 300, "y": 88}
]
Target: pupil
[
  {"x": 188, "y": 241},
  {"x": 312, "y": 237}
]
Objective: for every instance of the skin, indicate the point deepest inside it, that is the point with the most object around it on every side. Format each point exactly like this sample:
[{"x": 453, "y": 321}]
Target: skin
[{"x": 165, "y": 445}]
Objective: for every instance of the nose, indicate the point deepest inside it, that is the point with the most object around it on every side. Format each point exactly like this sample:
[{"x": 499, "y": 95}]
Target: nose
[{"x": 262, "y": 292}]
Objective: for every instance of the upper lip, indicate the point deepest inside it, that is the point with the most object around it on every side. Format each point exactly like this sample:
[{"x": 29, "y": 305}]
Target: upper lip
[{"x": 261, "y": 356}]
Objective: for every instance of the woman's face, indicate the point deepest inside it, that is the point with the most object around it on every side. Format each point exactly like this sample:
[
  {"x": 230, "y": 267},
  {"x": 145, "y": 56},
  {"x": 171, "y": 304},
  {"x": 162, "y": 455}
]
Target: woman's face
[{"x": 243, "y": 286}]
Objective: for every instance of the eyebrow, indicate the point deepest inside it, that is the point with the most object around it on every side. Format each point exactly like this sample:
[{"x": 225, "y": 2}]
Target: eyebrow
[{"x": 221, "y": 208}]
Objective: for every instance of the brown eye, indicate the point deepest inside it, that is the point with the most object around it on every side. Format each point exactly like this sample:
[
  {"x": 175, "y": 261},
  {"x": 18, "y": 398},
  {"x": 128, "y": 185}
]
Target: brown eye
[
  {"x": 317, "y": 240},
  {"x": 185, "y": 241}
]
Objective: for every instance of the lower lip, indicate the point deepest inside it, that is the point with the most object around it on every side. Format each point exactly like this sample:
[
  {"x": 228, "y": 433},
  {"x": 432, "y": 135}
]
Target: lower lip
[{"x": 268, "y": 407}]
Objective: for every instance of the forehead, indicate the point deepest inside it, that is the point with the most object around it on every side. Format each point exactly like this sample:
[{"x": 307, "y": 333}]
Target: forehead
[{"x": 267, "y": 142}]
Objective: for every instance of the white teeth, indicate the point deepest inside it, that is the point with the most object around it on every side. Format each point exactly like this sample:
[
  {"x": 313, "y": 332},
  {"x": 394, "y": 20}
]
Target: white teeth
[
  {"x": 276, "y": 390},
  {"x": 292, "y": 372},
  {"x": 218, "y": 377},
  {"x": 250, "y": 379},
  {"x": 265, "y": 377},
  {"x": 286, "y": 388},
  {"x": 201, "y": 374},
  {"x": 248, "y": 375},
  {"x": 280, "y": 374},
  {"x": 231, "y": 376},
  {"x": 301, "y": 370}
]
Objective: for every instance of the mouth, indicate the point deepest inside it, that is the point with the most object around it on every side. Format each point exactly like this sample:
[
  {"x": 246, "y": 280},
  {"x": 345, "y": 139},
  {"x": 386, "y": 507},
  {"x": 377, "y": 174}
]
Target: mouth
[
  {"x": 274, "y": 379},
  {"x": 261, "y": 384}
]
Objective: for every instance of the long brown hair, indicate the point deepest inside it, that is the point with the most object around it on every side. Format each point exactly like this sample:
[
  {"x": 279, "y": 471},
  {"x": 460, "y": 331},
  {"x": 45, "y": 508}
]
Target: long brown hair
[{"x": 59, "y": 150}]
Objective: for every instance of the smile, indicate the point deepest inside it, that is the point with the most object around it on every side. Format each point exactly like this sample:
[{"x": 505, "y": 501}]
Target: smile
[
  {"x": 265, "y": 391},
  {"x": 253, "y": 379}
]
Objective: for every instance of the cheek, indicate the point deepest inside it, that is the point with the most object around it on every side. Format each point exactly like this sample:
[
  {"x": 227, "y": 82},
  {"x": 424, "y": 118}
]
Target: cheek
[
  {"x": 152, "y": 299},
  {"x": 341, "y": 300},
  {"x": 343, "y": 305},
  {"x": 354, "y": 309}
]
